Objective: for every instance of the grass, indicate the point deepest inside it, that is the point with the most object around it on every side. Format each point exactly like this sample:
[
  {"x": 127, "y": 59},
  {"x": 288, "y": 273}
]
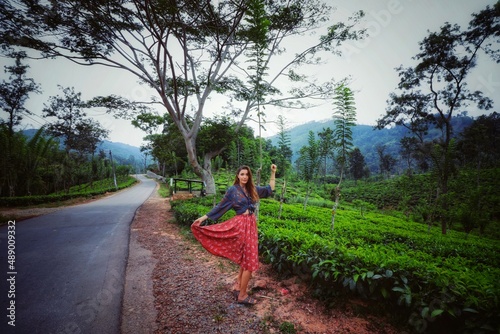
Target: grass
[
  {"x": 219, "y": 313},
  {"x": 287, "y": 327},
  {"x": 164, "y": 190}
]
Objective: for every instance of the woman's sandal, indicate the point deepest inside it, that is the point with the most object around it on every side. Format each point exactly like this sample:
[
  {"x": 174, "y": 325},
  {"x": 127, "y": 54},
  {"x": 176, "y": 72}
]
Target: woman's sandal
[{"x": 247, "y": 301}]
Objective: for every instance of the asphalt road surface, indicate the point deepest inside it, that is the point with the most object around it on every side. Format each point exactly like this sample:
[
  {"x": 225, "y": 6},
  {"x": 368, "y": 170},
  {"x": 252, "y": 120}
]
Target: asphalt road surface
[{"x": 67, "y": 273}]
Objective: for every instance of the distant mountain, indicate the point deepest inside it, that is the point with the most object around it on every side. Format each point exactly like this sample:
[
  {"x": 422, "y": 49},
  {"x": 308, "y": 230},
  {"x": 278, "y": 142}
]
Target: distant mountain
[
  {"x": 122, "y": 153},
  {"x": 365, "y": 137}
]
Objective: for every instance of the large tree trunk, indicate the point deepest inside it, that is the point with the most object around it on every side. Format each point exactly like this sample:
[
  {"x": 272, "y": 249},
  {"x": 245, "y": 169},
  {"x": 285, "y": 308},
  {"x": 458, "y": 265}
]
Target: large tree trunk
[
  {"x": 208, "y": 180},
  {"x": 446, "y": 170},
  {"x": 205, "y": 172},
  {"x": 206, "y": 175}
]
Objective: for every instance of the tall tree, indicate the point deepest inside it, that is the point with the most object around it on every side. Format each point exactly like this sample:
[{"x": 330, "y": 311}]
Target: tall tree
[
  {"x": 477, "y": 144},
  {"x": 344, "y": 119},
  {"x": 12, "y": 146},
  {"x": 166, "y": 148},
  {"x": 89, "y": 134},
  {"x": 413, "y": 111},
  {"x": 186, "y": 51},
  {"x": 407, "y": 147},
  {"x": 15, "y": 92},
  {"x": 257, "y": 31},
  {"x": 13, "y": 96},
  {"x": 308, "y": 163},
  {"x": 215, "y": 135},
  {"x": 242, "y": 149},
  {"x": 326, "y": 147},
  {"x": 386, "y": 161},
  {"x": 438, "y": 82},
  {"x": 285, "y": 152},
  {"x": 68, "y": 111},
  {"x": 77, "y": 132},
  {"x": 357, "y": 164},
  {"x": 477, "y": 148}
]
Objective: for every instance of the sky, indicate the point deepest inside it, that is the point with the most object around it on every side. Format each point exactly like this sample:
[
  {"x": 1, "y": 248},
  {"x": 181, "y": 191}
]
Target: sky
[{"x": 395, "y": 28}]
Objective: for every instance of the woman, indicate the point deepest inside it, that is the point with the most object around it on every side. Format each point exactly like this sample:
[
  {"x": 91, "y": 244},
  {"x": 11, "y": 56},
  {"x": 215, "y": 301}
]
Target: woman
[{"x": 236, "y": 238}]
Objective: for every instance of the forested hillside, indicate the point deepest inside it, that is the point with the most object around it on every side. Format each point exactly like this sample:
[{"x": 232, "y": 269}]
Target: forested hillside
[
  {"x": 124, "y": 154},
  {"x": 366, "y": 138}
]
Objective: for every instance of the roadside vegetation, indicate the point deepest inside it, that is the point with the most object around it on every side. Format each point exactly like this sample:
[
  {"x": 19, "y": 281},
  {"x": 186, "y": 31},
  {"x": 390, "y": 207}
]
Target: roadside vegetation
[
  {"x": 427, "y": 280},
  {"x": 82, "y": 191}
]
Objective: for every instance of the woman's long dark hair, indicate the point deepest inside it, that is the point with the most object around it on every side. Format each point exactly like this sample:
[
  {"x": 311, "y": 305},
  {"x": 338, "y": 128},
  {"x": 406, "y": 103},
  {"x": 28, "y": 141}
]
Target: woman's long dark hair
[{"x": 249, "y": 186}]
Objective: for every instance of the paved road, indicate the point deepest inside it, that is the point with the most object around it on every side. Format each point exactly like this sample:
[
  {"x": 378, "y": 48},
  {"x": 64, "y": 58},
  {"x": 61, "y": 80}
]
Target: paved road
[{"x": 69, "y": 268}]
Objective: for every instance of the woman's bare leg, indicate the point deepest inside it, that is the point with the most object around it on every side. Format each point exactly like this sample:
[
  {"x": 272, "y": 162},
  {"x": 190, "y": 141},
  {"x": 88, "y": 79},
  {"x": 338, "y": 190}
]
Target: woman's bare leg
[
  {"x": 237, "y": 284},
  {"x": 245, "y": 278}
]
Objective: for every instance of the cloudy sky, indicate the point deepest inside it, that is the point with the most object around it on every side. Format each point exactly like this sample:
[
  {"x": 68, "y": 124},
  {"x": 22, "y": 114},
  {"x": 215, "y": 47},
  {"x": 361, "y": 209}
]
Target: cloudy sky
[{"x": 395, "y": 27}]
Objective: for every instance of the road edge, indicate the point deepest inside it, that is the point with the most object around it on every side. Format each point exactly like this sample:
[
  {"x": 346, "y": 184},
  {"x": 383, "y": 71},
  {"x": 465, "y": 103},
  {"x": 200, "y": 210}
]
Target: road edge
[{"x": 138, "y": 313}]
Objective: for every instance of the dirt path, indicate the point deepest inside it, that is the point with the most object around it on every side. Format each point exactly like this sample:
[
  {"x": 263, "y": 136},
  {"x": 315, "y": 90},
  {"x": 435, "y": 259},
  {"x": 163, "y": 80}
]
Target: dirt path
[{"x": 174, "y": 286}]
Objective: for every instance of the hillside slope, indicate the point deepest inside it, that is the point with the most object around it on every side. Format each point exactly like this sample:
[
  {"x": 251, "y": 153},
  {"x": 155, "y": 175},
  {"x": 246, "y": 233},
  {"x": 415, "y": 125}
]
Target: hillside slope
[
  {"x": 123, "y": 153},
  {"x": 365, "y": 137}
]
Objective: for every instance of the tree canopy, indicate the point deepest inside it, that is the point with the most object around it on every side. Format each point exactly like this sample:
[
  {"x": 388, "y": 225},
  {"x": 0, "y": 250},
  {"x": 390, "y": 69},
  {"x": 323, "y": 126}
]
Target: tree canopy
[
  {"x": 186, "y": 51},
  {"x": 435, "y": 89}
]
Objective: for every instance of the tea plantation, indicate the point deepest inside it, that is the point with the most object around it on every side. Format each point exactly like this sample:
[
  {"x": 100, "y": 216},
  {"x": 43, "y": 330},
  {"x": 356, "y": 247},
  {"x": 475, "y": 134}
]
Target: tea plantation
[{"x": 434, "y": 281}]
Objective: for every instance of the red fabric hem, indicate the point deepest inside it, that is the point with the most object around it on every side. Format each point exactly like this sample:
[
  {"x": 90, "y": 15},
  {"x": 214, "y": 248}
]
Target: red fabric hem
[{"x": 235, "y": 239}]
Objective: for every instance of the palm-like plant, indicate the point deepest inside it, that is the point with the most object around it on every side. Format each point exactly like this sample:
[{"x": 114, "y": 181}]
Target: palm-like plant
[{"x": 344, "y": 116}]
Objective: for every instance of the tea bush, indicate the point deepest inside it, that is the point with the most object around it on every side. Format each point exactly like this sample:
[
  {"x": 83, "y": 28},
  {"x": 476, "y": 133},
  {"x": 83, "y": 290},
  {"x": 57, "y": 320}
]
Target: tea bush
[{"x": 433, "y": 279}]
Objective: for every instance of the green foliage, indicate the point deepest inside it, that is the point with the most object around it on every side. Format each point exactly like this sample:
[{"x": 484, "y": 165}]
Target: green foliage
[
  {"x": 78, "y": 133},
  {"x": 256, "y": 30},
  {"x": 81, "y": 191},
  {"x": 284, "y": 151},
  {"x": 308, "y": 161},
  {"x": 215, "y": 134},
  {"x": 432, "y": 279},
  {"x": 243, "y": 149},
  {"x": 477, "y": 144},
  {"x": 164, "y": 190},
  {"x": 344, "y": 116},
  {"x": 34, "y": 164},
  {"x": 15, "y": 92},
  {"x": 415, "y": 195},
  {"x": 287, "y": 327},
  {"x": 357, "y": 165},
  {"x": 432, "y": 91}
]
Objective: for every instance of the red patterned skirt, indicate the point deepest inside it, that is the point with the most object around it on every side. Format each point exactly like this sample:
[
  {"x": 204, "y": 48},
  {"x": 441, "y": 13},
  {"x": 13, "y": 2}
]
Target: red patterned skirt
[{"x": 235, "y": 239}]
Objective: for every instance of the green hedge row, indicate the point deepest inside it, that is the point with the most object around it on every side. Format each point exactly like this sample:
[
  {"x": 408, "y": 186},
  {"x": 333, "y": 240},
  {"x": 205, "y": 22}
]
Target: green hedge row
[
  {"x": 439, "y": 280},
  {"x": 420, "y": 188},
  {"x": 54, "y": 198}
]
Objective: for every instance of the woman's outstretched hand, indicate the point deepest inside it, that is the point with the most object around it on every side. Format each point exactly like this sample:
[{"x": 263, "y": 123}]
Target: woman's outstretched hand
[
  {"x": 272, "y": 180},
  {"x": 201, "y": 219}
]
